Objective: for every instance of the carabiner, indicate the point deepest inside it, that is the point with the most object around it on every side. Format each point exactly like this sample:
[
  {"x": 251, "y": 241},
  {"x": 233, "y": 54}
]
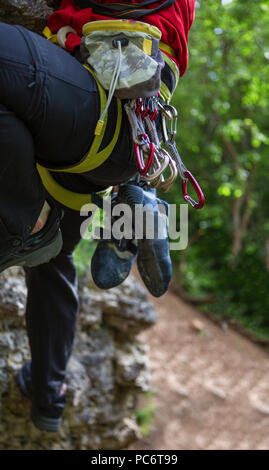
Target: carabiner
[
  {"x": 143, "y": 168},
  {"x": 169, "y": 136},
  {"x": 197, "y": 189},
  {"x": 159, "y": 166}
]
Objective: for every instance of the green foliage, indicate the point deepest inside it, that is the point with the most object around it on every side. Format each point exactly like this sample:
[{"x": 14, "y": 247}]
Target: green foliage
[
  {"x": 83, "y": 255},
  {"x": 146, "y": 413},
  {"x": 223, "y": 137},
  {"x": 86, "y": 248}
]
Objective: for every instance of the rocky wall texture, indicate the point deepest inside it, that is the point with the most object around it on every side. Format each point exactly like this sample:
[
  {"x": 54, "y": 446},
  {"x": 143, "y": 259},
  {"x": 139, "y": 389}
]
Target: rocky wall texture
[
  {"x": 107, "y": 372},
  {"x": 29, "y": 13}
]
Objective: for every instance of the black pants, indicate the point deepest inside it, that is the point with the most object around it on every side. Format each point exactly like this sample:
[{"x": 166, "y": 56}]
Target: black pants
[
  {"x": 49, "y": 106},
  {"x": 51, "y": 313}
]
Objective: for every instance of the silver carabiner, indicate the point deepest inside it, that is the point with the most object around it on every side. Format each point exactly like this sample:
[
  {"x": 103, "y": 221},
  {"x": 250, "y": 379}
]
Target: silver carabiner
[
  {"x": 169, "y": 135},
  {"x": 163, "y": 110},
  {"x": 136, "y": 124}
]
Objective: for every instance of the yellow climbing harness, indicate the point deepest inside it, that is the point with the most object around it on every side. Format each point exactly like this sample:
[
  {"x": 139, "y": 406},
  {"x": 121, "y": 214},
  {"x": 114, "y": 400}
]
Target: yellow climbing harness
[
  {"x": 95, "y": 157},
  {"x": 90, "y": 161}
]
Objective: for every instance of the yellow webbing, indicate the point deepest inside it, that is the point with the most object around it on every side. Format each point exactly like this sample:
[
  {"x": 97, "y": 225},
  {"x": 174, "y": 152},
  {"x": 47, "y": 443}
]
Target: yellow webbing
[
  {"x": 121, "y": 25},
  {"x": 172, "y": 65},
  {"x": 92, "y": 160},
  {"x": 165, "y": 93},
  {"x": 49, "y": 35},
  {"x": 68, "y": 198},
  {"x": 164, "y": 47}
]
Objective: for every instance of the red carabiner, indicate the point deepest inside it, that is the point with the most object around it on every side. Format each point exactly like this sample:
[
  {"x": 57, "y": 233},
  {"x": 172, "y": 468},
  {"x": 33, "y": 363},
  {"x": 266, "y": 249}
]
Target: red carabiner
[
  {"x": 139, "y": 107},
  {"x": 143, "y": 169},
  {"x": 197, "y": 189}
]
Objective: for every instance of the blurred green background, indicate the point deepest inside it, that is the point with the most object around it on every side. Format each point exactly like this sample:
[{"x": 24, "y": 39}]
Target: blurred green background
[{"x": 223, "y": 137}]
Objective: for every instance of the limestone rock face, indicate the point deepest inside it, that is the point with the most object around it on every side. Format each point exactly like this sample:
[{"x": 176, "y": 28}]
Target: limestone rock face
[
  {"x": 107, "y": 372},
  {"x": 29, "y": 13}
]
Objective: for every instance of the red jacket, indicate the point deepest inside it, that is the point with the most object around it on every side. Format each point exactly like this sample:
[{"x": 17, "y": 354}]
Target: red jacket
[{"x": 174, "y": 23}]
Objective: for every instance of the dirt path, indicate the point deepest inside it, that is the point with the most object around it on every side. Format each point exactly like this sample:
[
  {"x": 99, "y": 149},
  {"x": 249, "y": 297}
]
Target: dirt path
[{"x": 211, "y": 387}]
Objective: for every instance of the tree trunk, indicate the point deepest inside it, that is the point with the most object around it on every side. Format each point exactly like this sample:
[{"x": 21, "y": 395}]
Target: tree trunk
[{"x": 242, "y": 213}]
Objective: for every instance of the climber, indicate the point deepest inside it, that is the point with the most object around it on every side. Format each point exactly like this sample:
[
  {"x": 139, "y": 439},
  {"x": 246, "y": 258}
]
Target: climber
[
  {"x": 49, "y": 108},
  {"x": 113, "y": 259}
]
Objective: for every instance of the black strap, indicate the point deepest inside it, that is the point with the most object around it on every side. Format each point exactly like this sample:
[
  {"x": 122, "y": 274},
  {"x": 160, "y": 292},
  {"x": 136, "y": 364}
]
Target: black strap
[{"x": 126, "y": 10}]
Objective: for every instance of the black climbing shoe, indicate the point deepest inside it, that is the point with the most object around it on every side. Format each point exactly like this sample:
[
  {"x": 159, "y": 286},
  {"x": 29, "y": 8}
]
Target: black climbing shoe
[
  {"x": 46, "y": 418},
  {"x": 113, "y": 259},
  {"x": 38, "y": 248},
  {"x": 153, "y": 254},
  {"x": 112, "y": 262}
]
